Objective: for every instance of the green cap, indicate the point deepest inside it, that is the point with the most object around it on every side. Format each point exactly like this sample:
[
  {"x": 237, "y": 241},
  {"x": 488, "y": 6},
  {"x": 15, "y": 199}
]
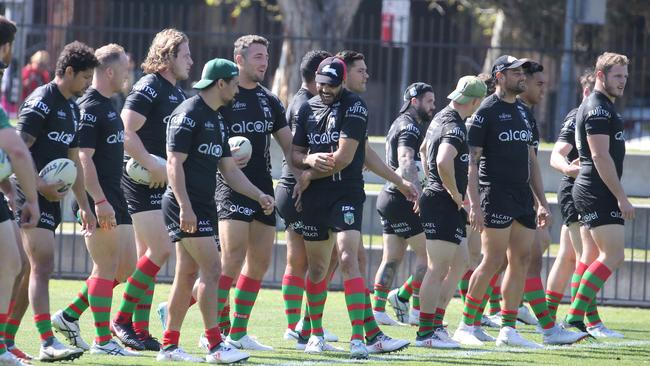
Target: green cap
[
  {"x": 216, "y": 69},
  {"x": 468, "y": 88}
]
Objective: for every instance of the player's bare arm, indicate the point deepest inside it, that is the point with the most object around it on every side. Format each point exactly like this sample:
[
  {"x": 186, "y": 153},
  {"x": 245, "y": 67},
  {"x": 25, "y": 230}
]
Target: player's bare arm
[
  {"x": 475, "y": 215},
  {"x": 238, "y": 181},
  {"x": 445, "y": 163},
  {"x": 103, "y": 209},
  {"x": 88, "y": 220},
  {"x": 133, "y": 121},
  {"x": 537, "y": 186},
  {"x": 559, "y": 161}
]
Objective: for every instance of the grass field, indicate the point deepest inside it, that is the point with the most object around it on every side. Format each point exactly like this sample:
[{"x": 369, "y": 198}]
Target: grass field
[{"x": 268, "y": 324}]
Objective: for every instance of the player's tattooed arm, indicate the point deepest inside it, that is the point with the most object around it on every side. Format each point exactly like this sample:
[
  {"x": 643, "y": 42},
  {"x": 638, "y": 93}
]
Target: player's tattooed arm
[{"x": 407, "y": 168}]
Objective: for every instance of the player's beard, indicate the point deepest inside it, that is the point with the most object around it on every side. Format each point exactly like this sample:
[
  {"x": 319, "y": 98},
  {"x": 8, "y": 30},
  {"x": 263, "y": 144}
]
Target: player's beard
[{"x": 424, "y": 115}]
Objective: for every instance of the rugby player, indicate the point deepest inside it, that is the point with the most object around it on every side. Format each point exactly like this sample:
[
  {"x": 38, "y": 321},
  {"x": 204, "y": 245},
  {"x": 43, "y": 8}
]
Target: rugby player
[
  {"x": 145, "y": 114},
  {"x": 401, "y": 225},
  {"x": 334, "y": 122},
  {"x": 500, "y": 139},
  {"x": 101, "y": 150},
  {"x": 197, "y": 144},
  {"x": 441, "y": 207},
  {"x": 598, "y": 195},
  {"x": 10, "y": 258},
  {"x": 246, "y": 232},
  {"x": 577, "y": 248},
  {"x": 47, "y": 123}
]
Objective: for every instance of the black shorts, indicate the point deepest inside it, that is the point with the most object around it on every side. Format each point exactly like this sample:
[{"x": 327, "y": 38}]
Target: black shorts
[
  {"x": 286, "y": 207},
  {"x": 50, "y": 211},
  {"x": 397, "y": 216},
  {"x": 596, "y": 207},
  {"x": 331, "y": 208},
  {"x": 565, "y": 200},
  {"x": 441, "y": 218},
  {"x": 5, "y": 212},
  {"x": 140, "y": 198},
  {"x": 234, "y": 206},
  {"x": 206, "y": 219},
  {"x": 116, "y": 198},
  {"x": 501, "y": 205}
]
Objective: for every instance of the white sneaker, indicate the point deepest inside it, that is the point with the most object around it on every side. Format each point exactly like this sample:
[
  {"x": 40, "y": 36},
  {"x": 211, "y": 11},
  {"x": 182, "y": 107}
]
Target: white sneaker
[
  {"x": 329, "y": 337},
  {"x": 557, "y": 335},
  {"x": 400, "y": 308},
  {"x": 162, "y": 314},
  {"x": 601, "y": 331},
  {"x": 385, "y": 344},
  {"x": 487, "y": 322},
  {"x": 382, "y": 318},
  {"x": 414, "y": 317},
  {"x": 290, "y": 335},
  {"x": 225, "y": 354},
  {"x": 112, "y": 349},
  {"x": 246, "y": 342},
  {"x": 444, "y": 336},
  {"x": 70, "y": 330},
  {"x": 315, "y": 345},
  {"x": 58, "y": 352},
  {"x": 176, "y": 354},
  {"x": 483, "y": 336},
  {"x": 465, "y": 335},
  {"x": 8, "y": 359},
  {"x": 358, "y": 350},
  {"x": 433, "y": 341},
  {"x": 204, "y": 344},
  {"x": 524, "y": 316},
  {"x": 509, "y": 336},
  {"x": 496, "y": 319}
]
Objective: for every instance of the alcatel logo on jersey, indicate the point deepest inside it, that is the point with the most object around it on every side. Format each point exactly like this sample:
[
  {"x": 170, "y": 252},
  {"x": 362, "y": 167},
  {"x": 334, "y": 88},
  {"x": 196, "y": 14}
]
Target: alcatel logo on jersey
[
  {"x": 115, "y": 138},
  {"x": 60, "y": 136},
  {"x": 619, "y": 136},
  {"x": 238, "y": 106},
  {"x": 211, "y": 149},
  {"x": 241, "y": 209},
  {"x": 616, "y": 214},
  {"x": 505, "y": 117},
  {"x": 182, "y": 119},
  {"x": 323, "y": 138},
  {"x": 464, "y": 158},
  {"x": 599, "y": 111},
  {"x": 517, "y": 135},
  {"x": 589, "y": 217},
  {"x": 38, "y": 103},
  {"x": 249, "y": 127}
]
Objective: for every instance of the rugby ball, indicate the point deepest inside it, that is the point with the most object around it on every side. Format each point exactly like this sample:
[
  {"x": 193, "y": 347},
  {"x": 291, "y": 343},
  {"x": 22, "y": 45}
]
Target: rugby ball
[
  {"x": 138, "y": 173},
  {"x": 241, "y": 146},
  {"x": 5, "y": 165},
  {"x": 61, "y": 169}
]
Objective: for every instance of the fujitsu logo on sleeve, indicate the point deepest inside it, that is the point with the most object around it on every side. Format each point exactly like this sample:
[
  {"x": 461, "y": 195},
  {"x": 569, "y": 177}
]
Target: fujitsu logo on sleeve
[
  {"x": 599, "y": 111},
  {"x": 145, "y": 89},
  {"x": 88, "y": 117},
  {"x": 38, "y": 105}
]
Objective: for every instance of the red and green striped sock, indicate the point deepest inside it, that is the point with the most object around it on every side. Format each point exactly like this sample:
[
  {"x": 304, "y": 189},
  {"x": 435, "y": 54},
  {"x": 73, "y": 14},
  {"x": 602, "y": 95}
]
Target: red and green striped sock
[
  {"x": 509, "y": 318},
  {"x": 170, "y": 339},
  {"x": 214, "y": 337},
  {"x": 495, "y": 300},
  {"x": 143, "y": 311},
  {"x": 463, "y": 285},
  {"x": 553, "y": 300},
  {"x": 355, "y": 301},
  {"x": 416, "y": 294},
  {"x": 592, "y": 281},
  {"x": 293, "y": 289},
  {"x": 470, "y": 309},
  {"x": 576, "y": 277},
  {"x": 440, "y": 316},
  {"x": 316, "y": 297},
  {"x": 136, "y": 288},
  {"x": 100, "y": 297},
  {"x": 406, "y": 290},
  {"x": 79, "y": 304},
  {"x": 225, "y": 283},
  {"x": 305, "y": 332},
  {"x": 245, "y": 295},
  {"x": 379, "y": 297},
  {"x": 11, "y": 329},
  {"x": 427, "y": 324},
  {"x": 479, "y": 314},
  {"x": 3, "y": 325},
  {"x": 593, "y": 318},
  {"x": 534, "y": 294},
  {"x": 370, "y": 325},
  {"x": 44, "y": 326}
]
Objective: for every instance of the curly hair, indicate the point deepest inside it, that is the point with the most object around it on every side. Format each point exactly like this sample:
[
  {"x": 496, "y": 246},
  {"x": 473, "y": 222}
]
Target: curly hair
[
  {"x": 78, "y": 56},
  {"x": 7, "y": 30},
  {"x": 608, "y": 59},
  {"x": 163, "y": 49}
]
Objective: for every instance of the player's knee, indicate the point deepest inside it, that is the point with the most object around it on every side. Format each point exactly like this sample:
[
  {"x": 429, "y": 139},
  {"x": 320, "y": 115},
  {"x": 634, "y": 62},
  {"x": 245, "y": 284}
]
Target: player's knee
[
  {"x": 349, "y": 261},
  {"x": 317, "y": 272},
  {"x": 614, "y": 259},
  {"x": 296, "y": 265}
]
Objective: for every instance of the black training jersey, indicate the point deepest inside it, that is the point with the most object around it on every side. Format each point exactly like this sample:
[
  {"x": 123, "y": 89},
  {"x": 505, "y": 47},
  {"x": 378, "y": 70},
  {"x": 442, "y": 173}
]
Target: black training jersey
[
  {"x": 52, "y": 120},
  {"x": 568, "y": 135},
  {"x": 154, "y": 97},
  {"x": 319, "y": 127},
  {"x": 528, "y": 115},
  {"x": 199, "y": 131},
  {"x": 404, "y": 131},
  {"x": 505, "y": 136},
  {"x": 255, "y": 114},
  {"x": 101, "y": 128},
  {"x": 447, "y": 127},
  {"x": 597, "y": 116},
  {"x": 302, "y": 96}
]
